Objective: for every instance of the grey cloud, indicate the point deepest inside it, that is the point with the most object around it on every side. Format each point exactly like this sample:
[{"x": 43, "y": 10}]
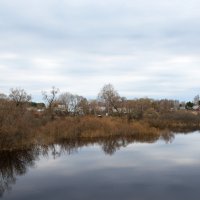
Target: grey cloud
[{"x": 101, "y": 41}]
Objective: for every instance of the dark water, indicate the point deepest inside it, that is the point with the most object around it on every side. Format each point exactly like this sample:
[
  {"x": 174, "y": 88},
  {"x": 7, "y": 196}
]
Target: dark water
[{"x": 112, "y": 169}]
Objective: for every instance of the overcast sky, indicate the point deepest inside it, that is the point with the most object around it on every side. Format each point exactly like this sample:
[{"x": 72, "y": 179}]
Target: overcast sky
[{"x": 145, "y": 48}]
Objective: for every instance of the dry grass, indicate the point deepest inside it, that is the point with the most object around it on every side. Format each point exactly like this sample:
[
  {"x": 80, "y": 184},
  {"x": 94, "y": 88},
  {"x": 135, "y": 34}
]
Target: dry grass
[
  {"x": 92, "y": 127},
  {"x": 177, "y": 121},
  {"x": 19, "y": 127}
]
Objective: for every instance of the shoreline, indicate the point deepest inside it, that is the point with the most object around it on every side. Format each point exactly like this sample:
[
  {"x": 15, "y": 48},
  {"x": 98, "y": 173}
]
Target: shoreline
[{"x": 93, "y": 128}]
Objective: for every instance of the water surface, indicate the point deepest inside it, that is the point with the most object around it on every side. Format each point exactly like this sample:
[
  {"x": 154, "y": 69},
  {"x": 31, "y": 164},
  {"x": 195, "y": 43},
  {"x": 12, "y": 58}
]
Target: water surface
[{"x": 109, "y": 169}]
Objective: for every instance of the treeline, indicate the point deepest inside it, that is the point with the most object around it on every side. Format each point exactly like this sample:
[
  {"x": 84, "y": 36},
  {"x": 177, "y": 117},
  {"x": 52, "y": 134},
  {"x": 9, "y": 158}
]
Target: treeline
[
  {"x": 107, "y": 103},
  {"x": 66, "y": 115}
]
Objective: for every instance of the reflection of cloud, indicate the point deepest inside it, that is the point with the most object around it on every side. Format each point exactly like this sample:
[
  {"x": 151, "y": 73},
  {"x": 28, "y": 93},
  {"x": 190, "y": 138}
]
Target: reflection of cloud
[
  {"x": 159, "y": 156},
  {"x": 140, "y": 170},
  {"x": 186, "y": 161}
]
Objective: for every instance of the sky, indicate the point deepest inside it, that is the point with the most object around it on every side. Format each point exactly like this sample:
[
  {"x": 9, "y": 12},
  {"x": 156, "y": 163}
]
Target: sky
[{"x": 144, "y": 48}]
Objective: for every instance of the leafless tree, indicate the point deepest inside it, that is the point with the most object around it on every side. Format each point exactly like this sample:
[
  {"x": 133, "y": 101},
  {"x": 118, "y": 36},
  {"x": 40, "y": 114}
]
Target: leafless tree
[
  {"x": 136, "y": 108},
  {"x": 93, "y": 107},
  {"x": 73, "y": 103},
  {"x": 110, "y": 97},
  {"x": 84, "y": 106},
  {"x": 65, "y": 99},
  {"x": 19, "y": 96},
  {"x": 50, "y": 98}
]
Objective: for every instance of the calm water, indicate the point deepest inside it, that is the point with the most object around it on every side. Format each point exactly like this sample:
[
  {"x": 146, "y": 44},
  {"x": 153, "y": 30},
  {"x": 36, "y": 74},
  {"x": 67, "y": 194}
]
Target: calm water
[{"x": 117, "y": 169}]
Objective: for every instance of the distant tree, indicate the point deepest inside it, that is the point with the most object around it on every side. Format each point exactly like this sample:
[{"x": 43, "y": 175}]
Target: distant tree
[
  {"x": 110, "y": 97},
  {"x": 136, "y": 108},
  {"x": 196, "y": 100},
  {"x": 33, "y": 104},
  {"x": 50, "y": 98},
  {"x": 176, "y": 104},
  {"x": 151, "y": 114},
  {"x": 74, "y": 104},
  {"x": 93, "y": 107},
  {"x": 189, "y": 105},
  {"x": 19, "y": 96},
  {"x": 84, "y": 106},
  {"x": 165, "y": 105},
  {"x": 40, "y": 105},
  {"x": 3, "y": 96},
  {"x": 65, "y": 99},
  {"x": 36, "y": 105},
  {"x": 182, "y": 104}
]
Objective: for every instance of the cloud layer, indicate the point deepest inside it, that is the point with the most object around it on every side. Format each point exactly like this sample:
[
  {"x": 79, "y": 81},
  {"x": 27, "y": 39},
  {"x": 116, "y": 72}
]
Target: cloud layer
[{"x": 144, "y": 48}]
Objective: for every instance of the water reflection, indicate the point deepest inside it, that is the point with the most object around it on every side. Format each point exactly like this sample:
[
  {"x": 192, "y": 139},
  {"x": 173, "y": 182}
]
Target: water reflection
[{"x": 16, "y": 162}]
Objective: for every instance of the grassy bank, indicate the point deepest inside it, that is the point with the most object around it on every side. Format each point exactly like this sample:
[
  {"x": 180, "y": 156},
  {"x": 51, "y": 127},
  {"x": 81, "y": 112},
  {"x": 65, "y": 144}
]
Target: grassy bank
[
  {"x": 93, "y": 127},
  {"x": 179, "y": 121},
  {"x": 19, "y": 127}
]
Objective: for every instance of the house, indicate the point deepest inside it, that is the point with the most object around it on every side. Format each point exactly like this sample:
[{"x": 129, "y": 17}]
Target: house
[{"x": 196, "y": 107}]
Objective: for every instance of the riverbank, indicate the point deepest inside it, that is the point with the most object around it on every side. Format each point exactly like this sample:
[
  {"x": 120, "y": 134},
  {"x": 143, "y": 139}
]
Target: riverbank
[{"x": 39, "y": 131}]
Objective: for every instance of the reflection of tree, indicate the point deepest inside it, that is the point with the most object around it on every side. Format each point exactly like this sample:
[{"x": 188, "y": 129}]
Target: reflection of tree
[
  {"x": 5, "y": 183},
  {"x": 109, "y": 145},
  {"x": 167, "y": 136},
  {"x": 15, "y": 163}
]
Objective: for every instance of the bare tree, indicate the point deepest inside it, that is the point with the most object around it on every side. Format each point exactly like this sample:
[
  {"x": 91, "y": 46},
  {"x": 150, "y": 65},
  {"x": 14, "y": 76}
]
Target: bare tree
[
  {"x": 19, "y": 96},
  {"x": 83, "y": 106},
  {"x": 93, "y": 107},
  {"x": 75, "y": 102},
  {"x": 110, "y": 97},
  {"x": 65, "y": 99},
  {"x": 136, "y": 108},
  {"x": 50, "y": 98}
]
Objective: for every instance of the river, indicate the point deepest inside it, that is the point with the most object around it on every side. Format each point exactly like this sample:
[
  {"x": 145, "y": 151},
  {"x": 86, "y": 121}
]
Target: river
[{"x": 164, "y": 168}]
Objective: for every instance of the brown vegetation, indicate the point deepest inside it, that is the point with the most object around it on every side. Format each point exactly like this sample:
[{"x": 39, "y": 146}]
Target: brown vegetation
[
  {"x": 177, "y": 121},
  {"x": 93, "y": 127},
  {"x": 21, "y": 124}
]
